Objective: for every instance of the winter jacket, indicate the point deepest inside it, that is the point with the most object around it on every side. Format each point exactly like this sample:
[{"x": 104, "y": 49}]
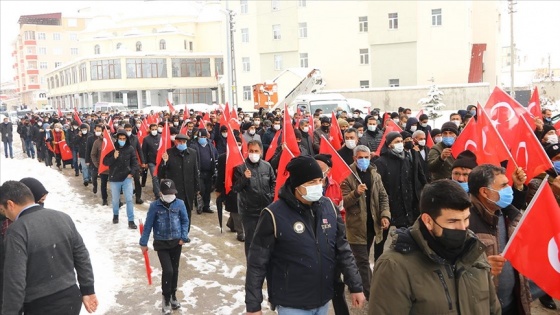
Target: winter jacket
[
  {"x": 220, "y": 143},
  {"x": 296, "y": 248},
  {"x": 168, "y": 221},
  {"x": 55, "y": 138},
  {"x": 247, "y": 137},
  {"x": 439, "y": 168},
  {"x": 95, "y": 154},
  {"x": 182, "y": 168},
  {"x": 371, "y": 139},
  {"x": 256, "y": 193},
  {"x": 73, "y": 136},
  {"x": 535, "y": 183},
  {"x": 89, "y": 145},
  {"x": 484, "y": 225},
  {"x": 126, "y": 164},
  {"x": 150, "y": 147},
  {"x": 135, "y": 143},
  {"x": 25, "y": 131},
  {"x": 424, "y": 162},
  {"x": 307, "y": 143},
  {"x": 356, "y": 207},
  {"x": 208, "y": 150},
  {"x": 6, "y": 130},
  {"x": 398, "y": 179},
  {"x": 410, "y": 278},
  {"x": 81, "y": 144},
  {"x": 317, "y": 138},
  {"x": 267, "y": 139},
  {"x": 230, "y": 199}
]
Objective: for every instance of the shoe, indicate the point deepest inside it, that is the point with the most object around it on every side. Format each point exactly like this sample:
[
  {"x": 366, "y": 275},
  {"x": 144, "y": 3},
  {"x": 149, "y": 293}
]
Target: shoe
[
  {"x": 86, "y": 183},
  {"x": 139, "y": 201},
  {"x": 198, "y": 211},
  {"x": 77, "y": 174},
  {"x": 208, "y": 211},
  {"x": 115, "y": 219},
  {"x": 241, "y": 238},
  {"x": 188, "y": 240},
  {"x": 105, "y": 202},
  {"x": 165, "y": 306},
  {"x": 59, "y": 168},
  {"x": 174, "y": 303},
  {"x": 548, "y": 302},
  {"x": 229, "y": 224},
  {"x": 95, "y": 189},
  {"x": 132, "y": 225}
]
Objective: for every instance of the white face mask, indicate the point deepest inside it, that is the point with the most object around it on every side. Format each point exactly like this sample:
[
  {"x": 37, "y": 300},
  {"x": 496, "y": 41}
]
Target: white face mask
[
  {"x": 314, "y": 192},
  {"x": 552, "y": 139},
  {"x": 350, "y": 144},
  {"x": 224, "y": 134},
  {"x": 457, "y": 122},
  {"x": 424, "y": 125},
  {"x": 413, "y": 128},
  {"x": 398, "y": 147},
  {"x": 168, "y": 198},
  {"x": 251, "y": 131},
  {"x": 172, "y": 138},
  {"x": 159, "y": 129},
  {"x": 57, "y": 129},
  {"x": 421, "y": 143},
  {"x": 396, "y": 121},
  {"x": 240, "y": 147},
  {"x": 138, "y": 126},
  {"x": 356, "y": 115},
  {"x": 371, "y": 127},
  {"x": 98, "y": 133},
  {"x": 175, "y": 123},
  {"x": 154, "y": 132},
  {"x": 257, "y": 122},
  {"x": 129, "y": 133},
  {"x": 360, "y": 134},
  {"x": 305, "y": 129},
  {"x": 246, "y": 119},
  {"x": 276, "y": 127},
  {"x": 438, "y": 139},
  {"x": 254, "y": 157},
  {"x": 84, "y": 131}
]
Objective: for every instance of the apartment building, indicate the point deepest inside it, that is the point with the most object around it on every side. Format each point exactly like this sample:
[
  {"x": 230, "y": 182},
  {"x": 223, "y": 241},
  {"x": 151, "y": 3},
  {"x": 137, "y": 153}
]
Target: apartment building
[{"x": 44, "y": 43}]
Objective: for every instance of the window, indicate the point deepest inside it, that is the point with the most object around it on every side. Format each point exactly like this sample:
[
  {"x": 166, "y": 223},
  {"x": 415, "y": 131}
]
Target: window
[
  {"x": 33, "y": 79},
  {"x": 32, "y": 64},
  {"x": 436, "y": 17},
  {"x": 56, "y": 36},
  {"x": 83, "y": 72},
  {"x": 57, "y": 64},
  {"x": 43, "y": 82},
  {"x": 364, "y": 56},
  {"x": 394, "y": 82},
  {"x": 246, "y": 64},
  {"x": 246, "y": 93},
  {"x": 138, "y": 46},
  {"x": 119, "y": 45},
  {"x": 244, "y": 6},
  {"x": 277, "y": 62},
  {"x": 275, "y": 5},
  {"x": 104, "y": 69},
  {"x": 200, "y": 95},
  {"x": 191, "y": 46},
  {"x": 73, "y": 36},
  {"x": 41, "y": 36},
  {"x": 244, "y": 35},
  {"x": 146, "y": 68},
  {"x": 303, "y": 61},
  {"x": 29, "y": 35},
  {"x": 43, "y": 65},
  {"x": 42, "y": 50},
  {"x": 276, "y": 34},
  {"x": 364, "y": 84},
  {"x": 190, "y": 67},
  {"x": 162, "y": 45},
  {"x": 362, "y": 20},
  {"x": 31, "y": 50},
  {"x": 97, "y": 50},
  {"x": 73, "y": 51},
  {"x": 303, "y": 30},
  {"x": 302, "y": 3},
  {"x": 393, "y": 21},
  {"x": 57, "y": 51}
]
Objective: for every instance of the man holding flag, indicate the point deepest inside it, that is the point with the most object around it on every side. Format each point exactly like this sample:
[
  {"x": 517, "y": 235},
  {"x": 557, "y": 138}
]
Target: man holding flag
[{"x": 440, "y": 160}]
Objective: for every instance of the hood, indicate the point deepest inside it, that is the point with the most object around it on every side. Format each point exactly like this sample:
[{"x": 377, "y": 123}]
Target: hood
[{"x": 410, "y": 122}]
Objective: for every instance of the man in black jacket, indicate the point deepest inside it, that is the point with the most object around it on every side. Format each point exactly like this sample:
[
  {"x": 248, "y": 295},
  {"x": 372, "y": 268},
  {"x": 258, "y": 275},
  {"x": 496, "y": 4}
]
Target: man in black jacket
[
  {"x": 149, "y": 149},
  {"x": 81, "y": 143},
  {"x": 135, "y": 143},
  {"x": 207, "y": 159},
  {"x": 123, "y": 164},
  {"x": 298, "y": 242},
  {"x": 6, "y": 131},
  {"x": 306, "y": 141},
  {"x": 72, "y": 135}
]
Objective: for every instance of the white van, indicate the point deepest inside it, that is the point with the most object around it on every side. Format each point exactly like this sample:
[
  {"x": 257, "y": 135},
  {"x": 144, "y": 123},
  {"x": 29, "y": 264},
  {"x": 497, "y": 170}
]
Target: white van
[
  {"x": 327, "y": 102},
  {"x": 108, "y": 106}
]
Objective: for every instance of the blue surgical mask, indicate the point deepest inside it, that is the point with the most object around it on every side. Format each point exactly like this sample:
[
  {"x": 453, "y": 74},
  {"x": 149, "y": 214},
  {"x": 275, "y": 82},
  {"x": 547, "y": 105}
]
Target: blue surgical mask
[
  {"x": 448, "y": 141},
  {"x": 182, "y": 147},
  {"x": 506, "y": 197},
  {"x": 122, "y": 142},
  {"x": 203, "y": 141},
  {"x": 556, "y": 166},
  {"x": 362, "y": 164},
  {"x": 464, "y": 185}
]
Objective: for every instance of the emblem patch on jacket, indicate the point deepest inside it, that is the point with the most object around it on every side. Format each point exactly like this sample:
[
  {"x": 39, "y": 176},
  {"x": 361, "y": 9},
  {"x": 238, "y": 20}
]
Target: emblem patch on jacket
[
  {"x": 299, "y": 227},
  {"x": 326, "y": 224}
]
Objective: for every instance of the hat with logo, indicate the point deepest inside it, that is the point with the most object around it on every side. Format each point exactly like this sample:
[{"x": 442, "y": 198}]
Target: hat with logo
[{"x": 167, "y": 187}]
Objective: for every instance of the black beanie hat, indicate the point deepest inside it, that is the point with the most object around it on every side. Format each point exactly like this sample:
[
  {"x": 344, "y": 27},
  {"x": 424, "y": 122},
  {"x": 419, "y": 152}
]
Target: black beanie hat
[
  {"x": 391, "y": 136},
  {"x": 325, "y": 158},
  {"x": 303, "y": 169},
  {"x": 465, "y": 159},
  {"x": 552, "y": 150},
  {"x": 405, "y": 134},
  {"x": 546, "y": 129},
  {"x": 450, "y": 126},
  {"x": 435, "y": 132},
  {"x": 37, "y": 189}
]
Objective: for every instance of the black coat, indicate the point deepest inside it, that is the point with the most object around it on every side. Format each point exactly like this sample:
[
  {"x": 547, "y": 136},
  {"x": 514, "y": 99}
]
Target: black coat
[
  {"x": 182, "y": 169},
  {"x": 256, "y": 193},
  {"x": 72, "y": 138},
  {"x": 150, "y": 147},
  {"x": 7, "y": 132},
  {"x": 89, "y": 145},
  {"x": 126, "y": 164},
  {"x": 135, "y": 143},
  {"x": 81, "y": 144},
  {"x": 307, "y": 143},
  {"x": 230, "y": 199}
]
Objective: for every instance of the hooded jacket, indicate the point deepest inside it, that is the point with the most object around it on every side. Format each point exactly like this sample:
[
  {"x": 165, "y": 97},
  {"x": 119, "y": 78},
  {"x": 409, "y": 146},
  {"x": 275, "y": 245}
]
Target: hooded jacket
[
  {"x": 256, "y": 193},
  {"x": 410, "y": 278},
  {"x": 126, "y": 164}
]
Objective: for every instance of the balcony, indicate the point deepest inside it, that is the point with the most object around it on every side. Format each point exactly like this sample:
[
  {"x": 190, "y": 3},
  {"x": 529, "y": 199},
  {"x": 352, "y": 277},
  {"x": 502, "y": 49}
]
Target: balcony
[
  {"x": 31, "y": 57},
  {"x": 30, "y": 42},
  {"x": 32, "y": 71}
]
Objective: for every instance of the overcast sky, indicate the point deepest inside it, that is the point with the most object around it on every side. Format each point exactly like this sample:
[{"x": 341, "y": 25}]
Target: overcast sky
[{"x": 536, "y": 24}]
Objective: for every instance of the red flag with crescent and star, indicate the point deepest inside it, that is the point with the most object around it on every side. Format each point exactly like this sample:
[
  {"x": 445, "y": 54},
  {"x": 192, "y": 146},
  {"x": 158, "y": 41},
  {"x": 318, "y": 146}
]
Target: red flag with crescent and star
[{"x": 107, "y": 147}]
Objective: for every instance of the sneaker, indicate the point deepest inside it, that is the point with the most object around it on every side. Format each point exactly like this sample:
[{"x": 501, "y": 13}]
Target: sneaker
[
  {"x": 86, "y": 183},
  {"x": 547, "y": 301},
  {"x": 77, "y": 174},
  {"x": 115, "y": 219},
  {"x": 165, "y": 306},
  {"x": 174, "y": 303},
  {"x": 105, "y": 202},
  {"x": 139, "y": 201},
  {"x": 132, "y": 225},
  {"x": 208, "y": 211},
  {"x": 95, "y": 189},
  {"x": 188, "y": 240}
]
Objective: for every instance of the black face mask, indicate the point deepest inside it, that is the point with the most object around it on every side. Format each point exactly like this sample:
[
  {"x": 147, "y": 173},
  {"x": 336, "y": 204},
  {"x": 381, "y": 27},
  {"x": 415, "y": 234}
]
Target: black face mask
[
  {"x": 408, "y": 145},
  {"x": 325, "y": 128},
  {"x": 451, "y": 239},
  {"x": 449, "y": 245}
]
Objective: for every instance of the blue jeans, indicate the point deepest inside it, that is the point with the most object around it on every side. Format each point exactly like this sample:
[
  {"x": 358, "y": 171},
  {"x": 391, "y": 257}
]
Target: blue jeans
[
  {"x": 155, "y": 179},
  {"x": 126, "y": 187},
  {"x": 75, "y": 162},
  {"x": 8, "y": 145},
  {"x": 323, "y": 310},
  {"x": 85, "y": 170},
  {"x": 30, "y": 148}
]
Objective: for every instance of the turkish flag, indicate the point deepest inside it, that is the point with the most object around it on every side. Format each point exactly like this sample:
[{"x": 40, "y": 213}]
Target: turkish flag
[
  {"x": 108, "y": 147},
  {"x": 527, "y": 152},
  {"x": 394, "y": 125},
  {"x": 111, "y": 125},
  {"x": 65, "y": 151},
  {"x": 494, "y": 149},
  {"x": 227, "y": 112},
  {"x": 272, "y": 147},
  {"x": 171, "y": 108},
  {"x": 420, "y": 113},
  {"x": 285, "y": 157},
  {"x": 533, "y": 248},
  {"x": 311, "y": 128},
  {"x": 234, "y": 114},
  {"x": 77, "y": 117},
  {"x": 234, "y": 123},
  {"x": 164, "y": 144},
  {"x": 142, "y": 131},
  {"x": 233, "y": 159},
  {"x": 429, "y": 140},
  {"x": 288, "y": 135},
  {"x": 469, "y": 139},
  {"x": 335, "y": 134},
  {"x": 59, "y": 112},
  {"x": 186, "y": 113},
  {"x": 340, "y": 170},
  {"x": 534, "y": 107},
  {"x": 244, "y": 149},
  {"x": 388, "y": 129}
]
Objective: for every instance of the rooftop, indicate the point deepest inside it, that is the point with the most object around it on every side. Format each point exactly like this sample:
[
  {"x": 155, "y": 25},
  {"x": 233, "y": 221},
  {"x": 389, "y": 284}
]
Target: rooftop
[{"x": 41, "y": 19}]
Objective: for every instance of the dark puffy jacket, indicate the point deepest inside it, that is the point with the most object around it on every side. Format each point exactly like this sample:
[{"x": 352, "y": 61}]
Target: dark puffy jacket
[
  {"x": 137, "y": 147},
  {"x": 371, "y": 139},
  {"x": 72, "y": 138},
  {"x": 150, "y": 147},
  {"x": 256, "y": 193},
  {"x": 182, "y": 169},
  {"x": 7, "y": 131},
  {"x": 81, "y": 144},
  {"x": 296, "y": 248},
  {"x": 126, "y": 164},
  {"x": 307, "y": 143},
  {"x": 267, "y": 139}
]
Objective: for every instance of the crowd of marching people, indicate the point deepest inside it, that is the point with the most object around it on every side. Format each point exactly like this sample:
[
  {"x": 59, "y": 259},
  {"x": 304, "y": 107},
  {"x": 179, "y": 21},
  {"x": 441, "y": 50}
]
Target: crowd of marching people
[{"x": 311, "y": 195}]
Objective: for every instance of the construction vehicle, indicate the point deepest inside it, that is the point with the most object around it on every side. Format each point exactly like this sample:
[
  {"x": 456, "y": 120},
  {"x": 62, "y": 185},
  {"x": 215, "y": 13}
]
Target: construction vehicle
[{"x": 286, "y": 87}]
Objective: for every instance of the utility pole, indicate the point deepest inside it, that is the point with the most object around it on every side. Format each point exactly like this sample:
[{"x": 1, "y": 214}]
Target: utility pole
[
  {"x": 511, "y": 11},
  {"x": 230, "y": 55}
]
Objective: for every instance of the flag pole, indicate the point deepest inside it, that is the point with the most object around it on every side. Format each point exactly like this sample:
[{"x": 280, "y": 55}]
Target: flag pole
[{"x": 529, "y": 208}]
